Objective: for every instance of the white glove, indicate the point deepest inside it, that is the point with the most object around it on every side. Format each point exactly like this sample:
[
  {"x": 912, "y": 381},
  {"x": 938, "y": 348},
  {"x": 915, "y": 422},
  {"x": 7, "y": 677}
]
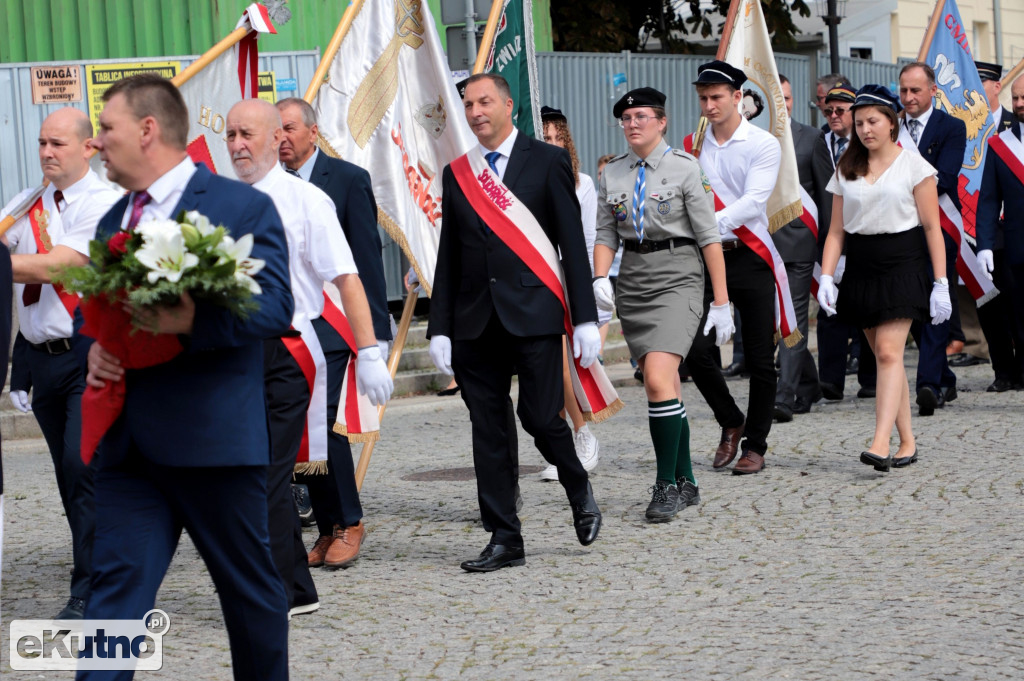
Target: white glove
[
  {"x": 939, "y": 306},
  {"x": 586, "y": 343},
  {"x": 385, "y": 349},
  {"x": 19, "y": 398},
  {"x": 604, "y": 296},
  {"x": 720, "y": 319},
  {"x": 441, "y": 354},
  {"x": 987, "y": 262},
  {"x": 827, "y": 294},
  {"x": 372, "y": 376}
]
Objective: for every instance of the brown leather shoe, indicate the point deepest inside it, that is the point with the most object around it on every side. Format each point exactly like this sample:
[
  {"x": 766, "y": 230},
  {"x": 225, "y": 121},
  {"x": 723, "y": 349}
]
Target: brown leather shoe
[
  {"x": 750, "y": 462},
  {"x": 726, "y": 451},
  {"x": 319, "y": 550},
  {"x": 345, "y": 548}
]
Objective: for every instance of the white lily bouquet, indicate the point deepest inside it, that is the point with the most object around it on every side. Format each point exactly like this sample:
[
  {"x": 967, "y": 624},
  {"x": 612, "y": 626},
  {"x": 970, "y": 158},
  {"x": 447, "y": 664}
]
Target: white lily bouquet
[{"x": 161, "y": 259}]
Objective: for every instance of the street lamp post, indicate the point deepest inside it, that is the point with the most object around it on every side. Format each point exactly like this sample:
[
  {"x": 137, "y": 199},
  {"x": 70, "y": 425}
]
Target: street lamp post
[{"x": 831, "y": 12}]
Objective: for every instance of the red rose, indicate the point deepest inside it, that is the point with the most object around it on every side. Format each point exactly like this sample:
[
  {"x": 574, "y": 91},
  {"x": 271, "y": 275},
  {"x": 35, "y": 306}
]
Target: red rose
[{"x": 118, "y": 243}]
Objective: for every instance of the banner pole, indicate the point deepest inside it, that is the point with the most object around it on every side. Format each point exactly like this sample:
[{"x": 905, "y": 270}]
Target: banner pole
[
  {"x": 929, "y": 34},
  {"x": 487, "y": 42},
  {"x": 1013, "y": 74},
  {"x": 393, "y": 360},
  {"x": 207, "y": 57},
  {"x": 332, "y": 49},
  {"x": 723, "y": 47}
]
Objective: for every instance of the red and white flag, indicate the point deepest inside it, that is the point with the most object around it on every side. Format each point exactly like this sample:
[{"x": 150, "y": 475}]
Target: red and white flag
[{"x": 211, "y": 93}]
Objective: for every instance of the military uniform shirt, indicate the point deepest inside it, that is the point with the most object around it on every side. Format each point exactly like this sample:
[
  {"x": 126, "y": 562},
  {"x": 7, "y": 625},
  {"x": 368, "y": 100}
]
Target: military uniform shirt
[{"x": 678, "y": 199}]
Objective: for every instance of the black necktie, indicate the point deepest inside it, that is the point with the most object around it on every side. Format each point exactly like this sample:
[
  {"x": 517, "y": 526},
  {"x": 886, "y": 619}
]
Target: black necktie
[{"x": 292, "y": 172}]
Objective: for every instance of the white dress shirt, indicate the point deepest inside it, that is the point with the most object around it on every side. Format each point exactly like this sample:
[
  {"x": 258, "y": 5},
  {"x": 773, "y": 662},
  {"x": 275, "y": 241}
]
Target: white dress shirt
[
  {"x": 505, "y": 149},
  {"x": 922, "y": 119},
  {"x": 317, "y": 249},
  {"x": 305, "y": 171},
  {"x": 164, "y": 193},
  {"x": 587, "y": 196},
  {"x": 743, "y": 171},
  {"x": 85, "y": 202}
]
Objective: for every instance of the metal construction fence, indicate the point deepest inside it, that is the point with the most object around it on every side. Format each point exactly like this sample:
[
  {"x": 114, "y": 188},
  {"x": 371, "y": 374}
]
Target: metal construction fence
[{"x": 584, "y": 86}]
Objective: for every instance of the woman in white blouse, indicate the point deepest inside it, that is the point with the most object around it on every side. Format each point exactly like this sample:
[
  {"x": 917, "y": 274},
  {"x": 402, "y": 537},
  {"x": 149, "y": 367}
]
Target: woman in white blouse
[
  {"x": 556, "y": 131},
  {"x": 883, "y": 195}
]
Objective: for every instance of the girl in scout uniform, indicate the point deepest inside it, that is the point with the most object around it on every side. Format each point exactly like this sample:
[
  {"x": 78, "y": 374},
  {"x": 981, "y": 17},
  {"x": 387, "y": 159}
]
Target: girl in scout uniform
[{"x": 656, "y": 201}]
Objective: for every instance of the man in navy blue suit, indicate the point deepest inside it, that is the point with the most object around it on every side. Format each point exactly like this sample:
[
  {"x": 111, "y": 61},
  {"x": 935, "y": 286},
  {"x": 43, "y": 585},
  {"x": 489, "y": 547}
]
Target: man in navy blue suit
[
  {"x": 191, "y": 448},
  {"x": 1001, "y": 231},
  {"x": 941, "y": 139},
  {"x": 335, "y": 497}
]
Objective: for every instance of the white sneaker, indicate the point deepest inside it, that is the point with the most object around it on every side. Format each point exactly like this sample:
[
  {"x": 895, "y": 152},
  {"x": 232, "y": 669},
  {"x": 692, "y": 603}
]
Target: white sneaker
[
  {"x": 587, "y": 447},
  {"x": 550, "y": 473}
]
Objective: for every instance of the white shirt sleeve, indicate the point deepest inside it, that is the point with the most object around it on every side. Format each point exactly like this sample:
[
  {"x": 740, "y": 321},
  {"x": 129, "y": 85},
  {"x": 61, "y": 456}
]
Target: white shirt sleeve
[
  {"x": 757, "y": 187},
  {"x": 588, "y": 213},
  {"x": 327, "y": 249}
]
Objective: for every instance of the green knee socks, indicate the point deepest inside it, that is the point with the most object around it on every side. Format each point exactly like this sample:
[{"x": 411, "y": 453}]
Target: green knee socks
[
  {"x": 666, "y": 427},
  {"x": 684, "y": 468}
]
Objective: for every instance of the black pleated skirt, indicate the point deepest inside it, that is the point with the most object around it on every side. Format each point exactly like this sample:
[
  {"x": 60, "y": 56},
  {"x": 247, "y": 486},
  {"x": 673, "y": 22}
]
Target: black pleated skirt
[{"x": 886, "y": 278}]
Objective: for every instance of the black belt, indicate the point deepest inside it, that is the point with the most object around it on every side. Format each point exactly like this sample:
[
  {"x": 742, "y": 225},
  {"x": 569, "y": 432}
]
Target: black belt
[
  {"x": 54, "y": 347},
  {"x": 649, "y": 246},
  {"x": 731, "y": 245}
]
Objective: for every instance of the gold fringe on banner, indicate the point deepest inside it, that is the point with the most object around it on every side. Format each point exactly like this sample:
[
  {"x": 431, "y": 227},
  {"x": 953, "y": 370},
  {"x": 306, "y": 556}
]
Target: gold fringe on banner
[
  {"x": 785, "y": 216},
  {"x": 372, "y": 436},
  {"x": 605, "y": 413},
  {"x": 311, "y": 468},
  {"x": 790, "y": 340},
  {"x": 398, "y": 236}
]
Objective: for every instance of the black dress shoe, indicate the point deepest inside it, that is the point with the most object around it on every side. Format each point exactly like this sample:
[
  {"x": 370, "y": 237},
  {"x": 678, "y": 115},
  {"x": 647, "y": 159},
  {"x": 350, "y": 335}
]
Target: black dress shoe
[
  {"x": 734, "y": 369},
  {"x": 962, "y": 359},
  {"x": 802, "y": 406},
  {"x": 586, "y": 518},
  {"x": 901, "y": 461},
  {"x": 852, "y": 365},
  {"x": 494, "y": 557},
  {"x": 303, "y": 504},
  {"x": 782, "y": 413},
  {"x": 880, "y": 463},
  {"x": 949, "y": 393},
  {"x": 1000, "y": 385},
  {"x": 866, "y": 393},
  {"x": 831, "y": 392},
  {"x": 74, "y": 610},
  {"x": 448, "y": 392},
  {"x": 928, "y": 401}
]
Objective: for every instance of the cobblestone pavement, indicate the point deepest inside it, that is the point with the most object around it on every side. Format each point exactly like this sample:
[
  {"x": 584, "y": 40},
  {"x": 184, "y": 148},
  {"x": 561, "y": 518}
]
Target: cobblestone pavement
[{"x": 817, "y": 568}]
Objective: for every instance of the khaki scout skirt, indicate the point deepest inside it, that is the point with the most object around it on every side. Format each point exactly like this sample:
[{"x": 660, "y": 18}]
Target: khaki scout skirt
[{"x": 660, "y": 298}]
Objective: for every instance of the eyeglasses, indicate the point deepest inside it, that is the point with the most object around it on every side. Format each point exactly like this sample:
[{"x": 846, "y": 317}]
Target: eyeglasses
[
  {"x": 640, "y": 120},
  {"x": 838, "y": 111}
]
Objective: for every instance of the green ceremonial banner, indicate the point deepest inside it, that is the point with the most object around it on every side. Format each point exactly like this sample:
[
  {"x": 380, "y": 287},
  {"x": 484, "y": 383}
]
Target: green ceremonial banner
[{"x": 513, "y": 57}]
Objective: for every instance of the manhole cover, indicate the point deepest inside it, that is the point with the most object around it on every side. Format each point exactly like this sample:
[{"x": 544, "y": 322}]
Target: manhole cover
[{"x": 459, "y": 474}]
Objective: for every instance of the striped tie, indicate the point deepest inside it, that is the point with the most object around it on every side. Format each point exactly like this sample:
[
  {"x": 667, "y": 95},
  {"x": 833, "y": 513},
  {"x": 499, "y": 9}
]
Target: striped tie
[{"x": 638, "y": 201}]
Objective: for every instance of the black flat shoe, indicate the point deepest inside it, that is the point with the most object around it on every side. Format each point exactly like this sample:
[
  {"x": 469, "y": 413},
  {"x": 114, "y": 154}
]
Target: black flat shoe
[
  {"x": 447, "y": 392},
  {"x": 880, "y": 463},
  {"x": 586, "y": 518},
  {"x": 901, "y": 461},
  {"x": 494, "y": 557}
]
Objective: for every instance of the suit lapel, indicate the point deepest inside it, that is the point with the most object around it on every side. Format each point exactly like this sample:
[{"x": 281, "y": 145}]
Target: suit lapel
[
  {"x": 934, "y": 121},
  {"x": 320, "y": 173},
  {"x": 517, "y": 161},
  {"x": 196, "y": 186}
]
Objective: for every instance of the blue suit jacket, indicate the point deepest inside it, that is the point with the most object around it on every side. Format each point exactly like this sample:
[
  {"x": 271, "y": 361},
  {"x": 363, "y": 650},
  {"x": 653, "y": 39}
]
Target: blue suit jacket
[
  {"x": 1001, "y": 192},
  {"x": 349, "y": 187},
  {"x": 942, "y": 144},
  {"x": 206, "y": 406}
]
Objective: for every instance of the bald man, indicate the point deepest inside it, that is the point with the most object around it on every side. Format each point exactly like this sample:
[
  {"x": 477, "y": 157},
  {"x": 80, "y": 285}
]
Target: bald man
[
  {"x": 317, "y": 252},
  {"x": 55, "y": 233}
]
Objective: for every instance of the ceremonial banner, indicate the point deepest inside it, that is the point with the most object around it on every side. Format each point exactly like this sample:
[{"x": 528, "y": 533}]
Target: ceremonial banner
[
  {"x": 390, "y": 106},
  {"x": 512, "y": 56},
  {"x": 228, "y": 79},
  {"x": 750, "y": 49},
  {"x": 960, "y": 93}
]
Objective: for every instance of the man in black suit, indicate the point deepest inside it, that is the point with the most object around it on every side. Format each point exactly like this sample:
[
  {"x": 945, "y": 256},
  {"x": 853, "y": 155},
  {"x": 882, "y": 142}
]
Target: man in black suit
[
  {"x": 492, "y": 316},
  {"x": 798, "y": 385},
  {"x": 335, "y": 496},
  {"x": 941, "y": 140},
  {"x": 995, "y": 316}
]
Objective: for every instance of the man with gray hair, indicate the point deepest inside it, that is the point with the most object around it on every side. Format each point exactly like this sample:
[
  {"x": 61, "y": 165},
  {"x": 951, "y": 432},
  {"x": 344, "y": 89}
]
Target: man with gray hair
[
  {"x": 53, "y": 234},
  {"x": 317, "y": 252}
]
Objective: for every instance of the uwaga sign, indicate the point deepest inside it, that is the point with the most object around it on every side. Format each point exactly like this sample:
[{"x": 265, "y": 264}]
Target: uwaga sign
[{"x": 56, "y": 84}]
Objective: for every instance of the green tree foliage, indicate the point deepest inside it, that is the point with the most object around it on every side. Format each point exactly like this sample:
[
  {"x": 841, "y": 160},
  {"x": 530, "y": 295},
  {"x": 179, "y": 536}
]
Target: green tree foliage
[{"x": 614, "y": 25}]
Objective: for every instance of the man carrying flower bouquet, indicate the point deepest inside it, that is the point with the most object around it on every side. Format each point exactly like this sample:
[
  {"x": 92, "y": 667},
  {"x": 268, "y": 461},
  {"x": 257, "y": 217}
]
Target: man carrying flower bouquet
[
  {"x": 318, "y": 252},
  {"x": 191, "y": 447},
  {"x": 55, "y": 233}
]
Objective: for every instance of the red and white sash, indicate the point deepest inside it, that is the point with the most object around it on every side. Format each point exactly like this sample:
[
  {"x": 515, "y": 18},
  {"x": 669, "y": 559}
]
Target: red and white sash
[
  {"x": 810, "y": 218},
  {"x": 357, "y": 417},
  {"x": 517, "y": 227},
  {"x": 967, "y": 265},
  {"x": 35, "y": 213},
  {"x": 1009, "y": 149},
  {"x": 760, "y": 242}
]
